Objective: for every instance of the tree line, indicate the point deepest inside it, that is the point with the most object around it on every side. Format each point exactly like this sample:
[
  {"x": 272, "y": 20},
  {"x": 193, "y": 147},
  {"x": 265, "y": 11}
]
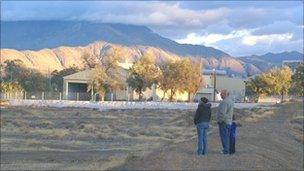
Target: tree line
[
  {"x": 16, "y": 77},
  {"x": 171, "y": 76},
  {"x": 277, "y": 81}
]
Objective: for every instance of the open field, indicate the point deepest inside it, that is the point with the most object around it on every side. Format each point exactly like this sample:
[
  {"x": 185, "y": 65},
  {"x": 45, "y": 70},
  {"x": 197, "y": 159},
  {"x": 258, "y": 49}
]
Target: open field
[
  {"x": 81, "y": 138},
  {"x": 107, "y": 105},
  {"x": 268, "y": 140}
]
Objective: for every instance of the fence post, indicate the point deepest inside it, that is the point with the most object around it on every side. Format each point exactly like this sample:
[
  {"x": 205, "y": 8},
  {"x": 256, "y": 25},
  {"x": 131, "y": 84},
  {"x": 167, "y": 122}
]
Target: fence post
[
  {"x": 111, "y": 96},
  {"x": 24, "y": 95},
  {"x": 77, "y": 96},
  {"x": 42, "y": 95},
  {"x": 60, "y": 96}
]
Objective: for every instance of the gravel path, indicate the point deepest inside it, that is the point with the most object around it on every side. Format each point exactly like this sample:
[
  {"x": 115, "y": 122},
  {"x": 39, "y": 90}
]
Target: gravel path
[
  {"x": 108, "y": 105},
  {"x": 263, "y": 145}
]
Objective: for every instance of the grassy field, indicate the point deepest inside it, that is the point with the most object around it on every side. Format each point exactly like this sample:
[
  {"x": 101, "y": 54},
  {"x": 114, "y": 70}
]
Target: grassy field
[
  {"x": 73, "y": 138},
  {"x": 269, "y": 139}
]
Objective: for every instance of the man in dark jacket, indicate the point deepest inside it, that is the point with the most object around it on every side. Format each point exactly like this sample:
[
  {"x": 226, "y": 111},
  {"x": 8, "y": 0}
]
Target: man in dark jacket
[{"x": 201, "y": 120}]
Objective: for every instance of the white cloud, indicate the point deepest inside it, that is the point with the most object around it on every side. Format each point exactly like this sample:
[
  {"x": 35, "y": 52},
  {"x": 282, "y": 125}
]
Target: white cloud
[
  {"x": 245, "y": 27},
  {"x": 251, "y": 40},
  {"x": 211, "y": 39},
  {"x": 161, "y": 14},
  {"x": 245, "y": 36}
]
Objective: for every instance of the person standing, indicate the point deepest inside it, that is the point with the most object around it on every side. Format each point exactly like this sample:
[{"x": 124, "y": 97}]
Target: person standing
[
  {"x": 218, "y": 96},
  {"x": 224, "y": 120},
  {"x": 201, "y": 120}
]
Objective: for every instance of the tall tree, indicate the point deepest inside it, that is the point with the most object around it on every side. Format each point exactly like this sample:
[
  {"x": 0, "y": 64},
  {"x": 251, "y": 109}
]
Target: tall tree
[
  {"x": 297, "y": 87},
  {"x": 107, "y": 76},
  {"x": 57, "y": 77},
  {"x": 275, "y": 82},
  {"x": 10, "y": 87},
  {"x": 29, "y": 79},
  {"x": 278, "y": 81},
  {"x": 143, "y": 74},
  {"x": 169, "y": 78},
  {"x": 97, "y": 81},
  {"x": 255, "y": 87},
  {"x": 89, "y": 61},
  {"x": 190, "y": 77}
]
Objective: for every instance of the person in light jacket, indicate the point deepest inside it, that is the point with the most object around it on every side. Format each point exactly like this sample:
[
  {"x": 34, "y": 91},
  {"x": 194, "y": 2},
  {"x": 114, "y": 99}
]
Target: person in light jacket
[
  {"x": 201, "y": 120},
  {"x": 224, "y": 119}
]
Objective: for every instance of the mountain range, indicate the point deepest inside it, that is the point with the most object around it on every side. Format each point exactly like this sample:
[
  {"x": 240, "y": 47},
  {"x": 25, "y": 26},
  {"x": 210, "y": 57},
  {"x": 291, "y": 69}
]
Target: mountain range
[{"x": 49, "y": 45}]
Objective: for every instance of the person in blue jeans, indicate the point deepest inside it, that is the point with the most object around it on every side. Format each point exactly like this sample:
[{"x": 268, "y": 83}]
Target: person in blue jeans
[
  {"x": 224, "y": 120},
  {"x": 201, "y": 120}
]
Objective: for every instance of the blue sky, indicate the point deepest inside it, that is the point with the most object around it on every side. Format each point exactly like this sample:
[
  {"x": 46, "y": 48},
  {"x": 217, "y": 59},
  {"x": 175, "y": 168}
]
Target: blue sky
[{"x": 236, "y": 27}]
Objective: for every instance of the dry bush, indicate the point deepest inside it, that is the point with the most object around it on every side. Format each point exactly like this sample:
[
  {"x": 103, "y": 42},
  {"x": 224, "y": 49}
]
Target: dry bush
[
  {"x": 103, "y": 136},
  {"x": 33, "y": 143},
  {"x": 45, "y": 124},
  {"x": 54, "y": 133},
  {"x": 4, "y": 103},
  {"x": 3, "y": 122}
]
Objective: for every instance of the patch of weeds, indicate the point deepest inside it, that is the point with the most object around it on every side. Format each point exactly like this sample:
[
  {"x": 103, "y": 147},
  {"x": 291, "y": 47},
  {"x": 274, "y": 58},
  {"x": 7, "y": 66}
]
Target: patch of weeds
[
  {"x": 66, "y": 125},
  {"x": 90, "y": 128},
  {"x": 33, "y": 143},
  {"x": 57, "y": 133},
  {"x": 103, "y": 136},
  {"x": 45, "y": 124}
]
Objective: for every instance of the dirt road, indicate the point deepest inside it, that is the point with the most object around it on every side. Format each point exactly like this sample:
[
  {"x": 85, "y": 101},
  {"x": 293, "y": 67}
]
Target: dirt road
[{"x": 272, "y": 142}]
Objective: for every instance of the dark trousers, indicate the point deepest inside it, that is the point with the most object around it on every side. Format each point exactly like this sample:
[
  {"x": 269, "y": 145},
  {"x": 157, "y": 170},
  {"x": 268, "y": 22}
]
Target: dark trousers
[
  {"x": 232, "y": 144},
  {"x": 225, "y": 136}
]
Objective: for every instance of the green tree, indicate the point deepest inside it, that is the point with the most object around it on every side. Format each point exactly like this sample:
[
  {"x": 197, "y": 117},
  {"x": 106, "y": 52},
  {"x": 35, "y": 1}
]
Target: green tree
[
  {"x": 97, "y": 81},
  {"x": 189, "y": 76},
  {"x": 143, "y": 74},
  {"x": 278, "y": 81},
  {"x": 181, "y": 76},
  {"x": 57, "y": 77},
  {"x": 89, "y": 61},
  {"x": 168, "y": 80},
  {"x": 275, "y": 82},
  {"x": 29, "y": 79},
  {"x": 255, "y": 87},
  {"x": 297, "y": 87},
  {"x": 10, "y": 87},
  {"x": 107, "y": 76}
]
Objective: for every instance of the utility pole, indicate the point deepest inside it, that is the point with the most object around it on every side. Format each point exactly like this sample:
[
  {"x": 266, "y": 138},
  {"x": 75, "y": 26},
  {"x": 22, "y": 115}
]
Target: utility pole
[
  {"x": 201, "y": 77},
  {"x": 214, "y": 83},
  {"x": 49, "y": 80}
]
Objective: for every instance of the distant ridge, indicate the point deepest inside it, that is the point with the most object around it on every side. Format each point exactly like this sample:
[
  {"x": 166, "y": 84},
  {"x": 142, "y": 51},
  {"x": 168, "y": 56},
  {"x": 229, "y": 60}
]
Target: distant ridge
[
  {"x": 263, "y": 62},
  {"x": 49, "y": 45},
  {"x": 36, "y": 35}
]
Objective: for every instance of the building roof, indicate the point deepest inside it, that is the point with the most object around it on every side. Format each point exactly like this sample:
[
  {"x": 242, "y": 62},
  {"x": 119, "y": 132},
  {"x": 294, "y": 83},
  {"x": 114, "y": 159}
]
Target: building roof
[
  {"x": 82, "y": 75},
  {"x": 218, "y": 72},
  {"x": 291, "y": 61}
]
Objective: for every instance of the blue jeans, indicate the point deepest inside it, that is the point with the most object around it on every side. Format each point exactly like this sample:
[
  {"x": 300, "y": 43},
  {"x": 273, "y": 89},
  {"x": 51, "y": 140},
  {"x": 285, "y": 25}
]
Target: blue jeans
[
  {"x": 225, "y": 136},
  {"x": 202, "y": 137}
]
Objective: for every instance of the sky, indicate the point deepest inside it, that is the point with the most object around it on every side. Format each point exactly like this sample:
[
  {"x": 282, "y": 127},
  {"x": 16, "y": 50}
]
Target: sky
[{"x": 239, "y": 28}]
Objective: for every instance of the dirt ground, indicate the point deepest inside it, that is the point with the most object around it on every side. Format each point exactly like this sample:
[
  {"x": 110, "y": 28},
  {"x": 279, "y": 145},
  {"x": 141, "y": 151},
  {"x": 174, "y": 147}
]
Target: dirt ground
[
  {"x": 73, "y": 138},
  {"x": 268, "y": 140},
  {"x": 86, "y": 139}
]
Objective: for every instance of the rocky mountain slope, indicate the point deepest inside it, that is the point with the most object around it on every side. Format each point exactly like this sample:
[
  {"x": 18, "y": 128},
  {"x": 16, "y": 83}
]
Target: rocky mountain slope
[
  {"x": 47, "y": 60},
  {"x": 50, "y": 45},
  {"x": 36, "y": 35},
  {"x": 268, "y": 60}
]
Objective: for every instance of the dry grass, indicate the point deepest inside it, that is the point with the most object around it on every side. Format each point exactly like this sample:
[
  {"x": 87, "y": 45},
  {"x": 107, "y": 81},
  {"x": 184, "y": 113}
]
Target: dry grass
[
  {"x": 33, "y": 143},
  {"x": 51, "y": 133},
  {"x": 259, "y": 114},
  {"x": 120, "y": 133},
  {"x": 4, "y": 103}
]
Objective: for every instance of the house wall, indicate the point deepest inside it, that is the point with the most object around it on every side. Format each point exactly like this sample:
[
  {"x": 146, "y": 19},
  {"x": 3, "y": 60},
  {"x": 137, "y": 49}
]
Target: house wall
[{"x": 235, "y": 86}]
